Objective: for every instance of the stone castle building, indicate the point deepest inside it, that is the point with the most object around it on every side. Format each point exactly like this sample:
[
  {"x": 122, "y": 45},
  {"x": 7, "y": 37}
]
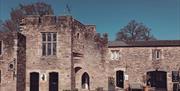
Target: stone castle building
[{"x": 59, "y": 53}]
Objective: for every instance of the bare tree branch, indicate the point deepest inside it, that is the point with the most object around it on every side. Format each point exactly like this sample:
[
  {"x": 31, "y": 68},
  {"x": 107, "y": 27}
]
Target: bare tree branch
[{"x": 134, "y": 31}]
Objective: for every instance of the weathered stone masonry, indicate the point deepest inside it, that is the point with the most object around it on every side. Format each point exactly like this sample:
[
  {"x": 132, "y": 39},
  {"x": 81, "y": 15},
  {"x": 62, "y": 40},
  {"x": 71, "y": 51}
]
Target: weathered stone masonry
[
  {"x": 79, "y": 59},
  {"x": 78, "y": 47},
  {"x": 12, "y": 62},
  {"x": 136, "y": 59}
]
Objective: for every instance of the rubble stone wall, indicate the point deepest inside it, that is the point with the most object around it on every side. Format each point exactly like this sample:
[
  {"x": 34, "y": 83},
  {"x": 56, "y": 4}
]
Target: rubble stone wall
[{"x": 137, "y": 61}]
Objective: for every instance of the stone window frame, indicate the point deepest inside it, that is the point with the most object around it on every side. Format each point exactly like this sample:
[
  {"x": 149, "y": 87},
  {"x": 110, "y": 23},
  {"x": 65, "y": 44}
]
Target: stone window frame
[
  {"x": 1, "y": 47},
  {"x": 175, "y": 74},
  {"x": 117, "y": 53},
  {"x": 46, "y": 43},
  {"x": 156, "y": 54}
]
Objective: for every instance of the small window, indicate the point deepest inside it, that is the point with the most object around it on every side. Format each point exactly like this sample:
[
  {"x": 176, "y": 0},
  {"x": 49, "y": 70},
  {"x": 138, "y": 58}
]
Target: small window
[
  {"x": 1, "y": 47},
  {"x": 175, "y": 76},
  {"x": 78, "y": 35},
  {"x": 49, "y": 43},
  {"x": 115, "y": 55},
  {"x": 156, "y": 54}
]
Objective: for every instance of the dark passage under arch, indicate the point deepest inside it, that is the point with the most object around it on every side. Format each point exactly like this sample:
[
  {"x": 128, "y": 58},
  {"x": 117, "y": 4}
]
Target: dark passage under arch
[
  {"x": 85, "y": 81},
  {"x": 77, "y": 69},
  {"x": 157, "y": 79}
]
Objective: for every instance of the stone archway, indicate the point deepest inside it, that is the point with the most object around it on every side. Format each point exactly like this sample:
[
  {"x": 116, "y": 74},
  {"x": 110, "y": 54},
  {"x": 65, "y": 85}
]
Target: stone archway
[
  {"x": 85, "y": 79},
  {"x": 79, "y": 72}
]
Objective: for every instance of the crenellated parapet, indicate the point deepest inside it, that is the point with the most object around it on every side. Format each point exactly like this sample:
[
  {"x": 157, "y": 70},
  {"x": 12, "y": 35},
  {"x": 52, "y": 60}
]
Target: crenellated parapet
[
  {"x": 81, "y": 33},
  {"x": 46, "y": 20}
]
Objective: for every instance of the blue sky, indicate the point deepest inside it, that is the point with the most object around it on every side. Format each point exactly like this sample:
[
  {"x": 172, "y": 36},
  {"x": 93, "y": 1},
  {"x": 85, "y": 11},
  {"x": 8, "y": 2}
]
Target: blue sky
[{"x": 162, "y": 16}]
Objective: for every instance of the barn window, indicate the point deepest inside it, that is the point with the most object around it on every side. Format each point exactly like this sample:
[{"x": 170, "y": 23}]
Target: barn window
[
  {"x": 49, "y": 43},
  {"x": 156, "y": 54},
  {"x": 115, "y": 55},
  {"x": 175, "y": 76}
]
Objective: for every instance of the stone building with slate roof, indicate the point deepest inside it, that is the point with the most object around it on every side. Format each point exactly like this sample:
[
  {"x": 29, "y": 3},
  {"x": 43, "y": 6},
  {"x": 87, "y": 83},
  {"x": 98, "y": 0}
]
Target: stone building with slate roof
[
  {"x": 59, "y": 53},
  {"x": 145, "y": 63}
]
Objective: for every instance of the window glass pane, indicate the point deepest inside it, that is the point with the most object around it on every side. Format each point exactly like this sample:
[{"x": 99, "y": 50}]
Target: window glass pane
[
  {"x": 49, "y": 43},
  {"x": 49, "y": 48},
  {"x": 43, "y": 37},
  {"x": 54, "y": 36},
  {"x": 44, "y": 49},
  {"x": 157, "y": 54},
  {"x": 49, "y": 36},
  {"x": 54, "y": 48}
]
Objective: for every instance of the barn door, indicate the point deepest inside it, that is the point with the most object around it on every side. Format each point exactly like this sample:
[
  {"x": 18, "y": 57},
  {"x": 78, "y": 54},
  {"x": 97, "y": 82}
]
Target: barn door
[
  {"x": 120, "y": 79},
  {"x": 157, "y": 79}
]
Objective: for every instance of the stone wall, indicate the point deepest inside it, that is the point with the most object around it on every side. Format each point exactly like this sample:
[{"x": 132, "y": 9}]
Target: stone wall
[
  {"x": 137, "y": 61},
  {"x": 89, "y": 55},
  {"x": 78, "y": 45},
  {"x": 32, "y": 27},
  {"x": 9, "y": 62},
  {"x": 80, "y": 49}
]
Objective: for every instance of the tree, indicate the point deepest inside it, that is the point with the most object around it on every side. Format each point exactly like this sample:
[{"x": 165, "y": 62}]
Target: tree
[
  {"x": 134, "y": 31},
  {"x": 1, "y": 25},
  {"x": 17, "y": 14}
]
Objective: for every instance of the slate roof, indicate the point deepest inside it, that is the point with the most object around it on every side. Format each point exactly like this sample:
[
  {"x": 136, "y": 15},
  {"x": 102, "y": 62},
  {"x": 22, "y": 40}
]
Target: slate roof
[
  {"x": 156, "y": 43},
  {"x": 116, "y": 43}
]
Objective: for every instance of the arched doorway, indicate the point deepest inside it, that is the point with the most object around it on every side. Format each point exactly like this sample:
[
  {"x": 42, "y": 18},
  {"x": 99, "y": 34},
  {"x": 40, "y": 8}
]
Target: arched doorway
[
  {"x": 34, "y": 81},
  {"x": 157, "y": 79},
  {"x": 85, "y": 81},
  {"x": 120, "y": 79},
  {"x": 53, "y": 81}
]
